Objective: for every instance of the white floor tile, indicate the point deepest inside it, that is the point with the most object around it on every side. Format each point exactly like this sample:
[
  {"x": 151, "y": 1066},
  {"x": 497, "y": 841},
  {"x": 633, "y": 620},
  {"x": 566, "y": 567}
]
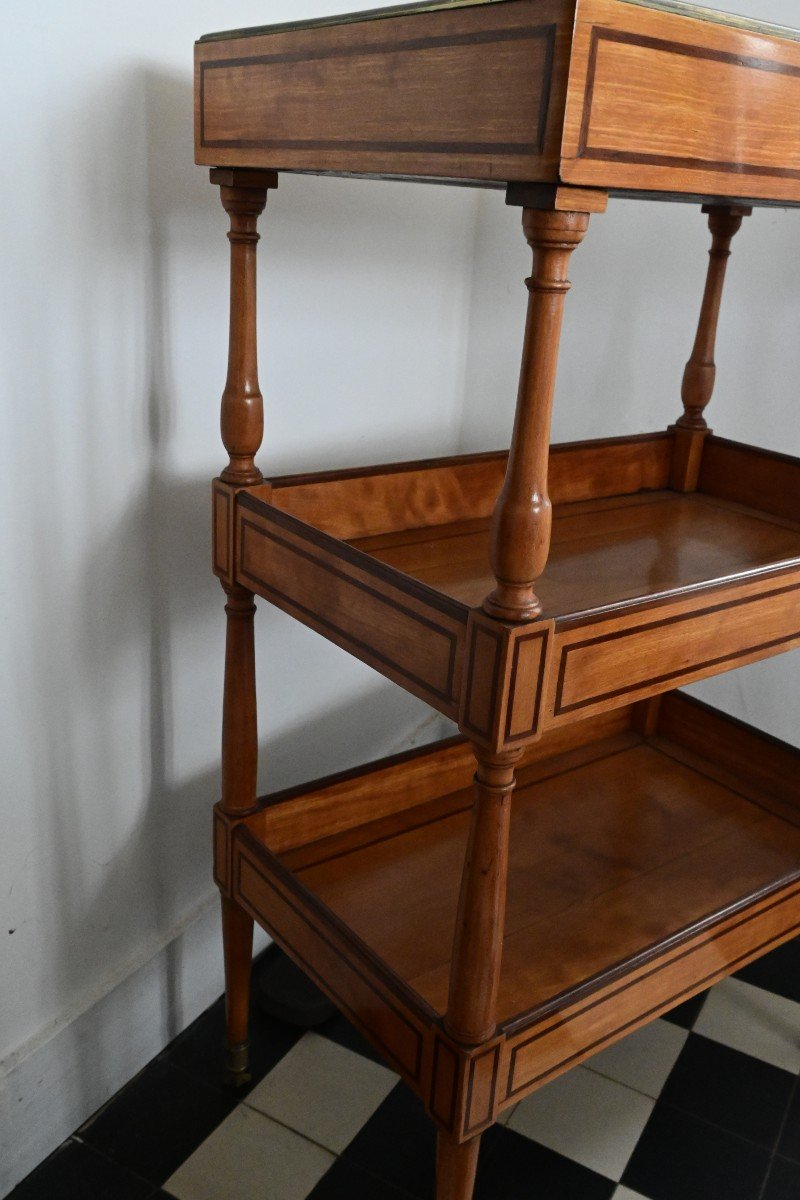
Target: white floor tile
[
  {"x": 623, "y": 1193},
  {"x": 507, "y": 1114},
  {"x": 590, "y": 1119},
  {"x": 643, "y": 1059},
  {"x": 756, "y": 1022},
  {"x": 250, "y": 1157},
  {"x": 323, "y": 1091}
]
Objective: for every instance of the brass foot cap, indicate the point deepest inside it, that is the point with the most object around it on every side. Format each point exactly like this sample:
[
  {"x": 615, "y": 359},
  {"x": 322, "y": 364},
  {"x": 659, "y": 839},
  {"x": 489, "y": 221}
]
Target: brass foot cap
[{"x": 236, "y": 1064}]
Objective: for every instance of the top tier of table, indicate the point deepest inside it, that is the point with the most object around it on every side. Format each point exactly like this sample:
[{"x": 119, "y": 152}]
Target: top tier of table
[{"x": 642, "y": 96}]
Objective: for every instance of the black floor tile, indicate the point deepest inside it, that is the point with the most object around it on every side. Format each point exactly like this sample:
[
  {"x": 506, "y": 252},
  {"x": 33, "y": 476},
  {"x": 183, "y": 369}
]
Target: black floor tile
[
  {"x": 516, "y": 1168},
  {"x": 740, "y": 1094},
  {"x": 687, "y": 1013},
  {"x": 338, "y": 1029},
  {"x": 784, "y": 1181},
  {"x": 76, "y": 1172},
  {"x": 345, "y": 1181},
  {"x": 398, "y": 1144},
  {"x": 789, "y": 1145},
  {"x": 200, "y": 1049},
  {"x": 157, "y": 1121},
  {"x": 681, "y": 1158},
  {"x": 778, "y": 971}
]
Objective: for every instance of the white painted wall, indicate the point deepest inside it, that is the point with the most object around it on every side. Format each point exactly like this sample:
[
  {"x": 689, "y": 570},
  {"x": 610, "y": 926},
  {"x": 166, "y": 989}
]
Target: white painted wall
[
  {"x": 391, "y": 318},
  {"x": 113, "y": 354}
]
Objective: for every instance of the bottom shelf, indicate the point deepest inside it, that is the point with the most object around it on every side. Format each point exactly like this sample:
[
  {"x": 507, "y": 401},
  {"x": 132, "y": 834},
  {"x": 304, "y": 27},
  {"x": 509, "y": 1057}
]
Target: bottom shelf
[{"x": 643, "y": 868}]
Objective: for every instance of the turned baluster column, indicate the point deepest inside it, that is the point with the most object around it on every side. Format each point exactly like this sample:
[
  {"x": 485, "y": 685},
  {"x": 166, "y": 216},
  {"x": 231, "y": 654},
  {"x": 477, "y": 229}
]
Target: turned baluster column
[
  {"x": 700, "y": 374},
  {"x": 522, "y": 520},
  {"x": 478, "y": 944},
  {"x": 243, "y": 195}
]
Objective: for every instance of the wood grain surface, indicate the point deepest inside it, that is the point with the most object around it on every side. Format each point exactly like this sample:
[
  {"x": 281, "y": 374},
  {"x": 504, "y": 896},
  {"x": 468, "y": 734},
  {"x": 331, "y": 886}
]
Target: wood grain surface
[
  {"x": 661, "y": 844},
  {"x": 667, "y": 101},
  {"x": 372, "y": 501},
  {"x": 403, "y": 629},
  {"x": 470, "y": 92},
  {"x": 641, "y": 869},
  {"x": 606, "y": 552},
  {"x": 642, "y": 591}
]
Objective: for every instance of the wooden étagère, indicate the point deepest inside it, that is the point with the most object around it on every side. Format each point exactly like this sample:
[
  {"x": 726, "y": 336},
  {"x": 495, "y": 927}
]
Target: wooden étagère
[{"x": 595, "y": 847}]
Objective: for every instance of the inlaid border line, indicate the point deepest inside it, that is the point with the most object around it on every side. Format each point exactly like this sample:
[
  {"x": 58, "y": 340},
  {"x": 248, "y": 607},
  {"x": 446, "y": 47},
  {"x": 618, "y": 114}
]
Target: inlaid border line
[
  {"x": 663, "y": 1005},
  {"x": 635, "y": 630},
  {"x": 450, "y": 636},
  {"x": 488, "y": 37},
  {"x": 688, "y": 50}
]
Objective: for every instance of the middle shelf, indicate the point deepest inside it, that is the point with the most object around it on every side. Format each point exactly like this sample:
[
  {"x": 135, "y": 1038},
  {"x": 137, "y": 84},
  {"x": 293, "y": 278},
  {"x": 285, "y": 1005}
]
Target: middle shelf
[{"x": 646, "y": 588}]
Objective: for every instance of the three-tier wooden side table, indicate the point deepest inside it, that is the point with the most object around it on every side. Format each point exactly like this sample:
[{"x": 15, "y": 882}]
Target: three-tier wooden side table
[{"x": 549, "y": 600}]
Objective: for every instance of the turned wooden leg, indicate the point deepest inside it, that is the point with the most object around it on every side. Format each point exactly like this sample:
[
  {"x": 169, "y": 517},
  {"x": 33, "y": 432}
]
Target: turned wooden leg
[
  {"x": 521, "y": 525},
  {"x": 478, "y": 944},
  {"x": 700, "y": 374},
  {"x": 237, "y": 941},
  {"x": 239, "y": 715},
  {"x": 455, "y": 1168},
  {"x": 243, "y": 195},
  {"x": 239, "y": 771}
]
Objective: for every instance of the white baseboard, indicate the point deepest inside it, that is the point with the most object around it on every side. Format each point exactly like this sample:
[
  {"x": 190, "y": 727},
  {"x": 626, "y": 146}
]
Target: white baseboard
[{"x": 55, "y": 1082}]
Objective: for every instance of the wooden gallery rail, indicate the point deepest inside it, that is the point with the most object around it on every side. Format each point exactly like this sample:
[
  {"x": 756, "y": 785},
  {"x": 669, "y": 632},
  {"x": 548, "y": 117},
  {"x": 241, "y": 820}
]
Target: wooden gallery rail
[{"x": 549, "y": 601}]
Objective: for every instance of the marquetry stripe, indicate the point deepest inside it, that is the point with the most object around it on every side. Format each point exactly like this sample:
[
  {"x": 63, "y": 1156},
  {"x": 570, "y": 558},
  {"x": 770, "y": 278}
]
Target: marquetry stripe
[
  {"x": 608, "y": 154},
  {"x": 515, "y": 1087},
  {"x": 546, "y": 33},
  {"x": 411, "y": 1066}
]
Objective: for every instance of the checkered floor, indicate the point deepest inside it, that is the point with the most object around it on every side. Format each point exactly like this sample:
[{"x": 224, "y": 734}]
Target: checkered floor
[{"x": 703, "y": 1105}]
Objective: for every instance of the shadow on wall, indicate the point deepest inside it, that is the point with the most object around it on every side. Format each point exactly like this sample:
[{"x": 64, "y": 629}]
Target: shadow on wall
[{"x": 148, "y": 614}]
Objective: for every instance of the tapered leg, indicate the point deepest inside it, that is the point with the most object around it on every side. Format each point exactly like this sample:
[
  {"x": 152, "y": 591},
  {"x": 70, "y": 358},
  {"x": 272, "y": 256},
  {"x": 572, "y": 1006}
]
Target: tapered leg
[
  {"x": 239, "y": 770},
  {"x": 477, "y": 947},
  {"x": 480, "y": 922},
  {"x": 455, "y": 1168},
  {"x": 237, "y": 938},
  {"x": 243, "y": 196}
]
